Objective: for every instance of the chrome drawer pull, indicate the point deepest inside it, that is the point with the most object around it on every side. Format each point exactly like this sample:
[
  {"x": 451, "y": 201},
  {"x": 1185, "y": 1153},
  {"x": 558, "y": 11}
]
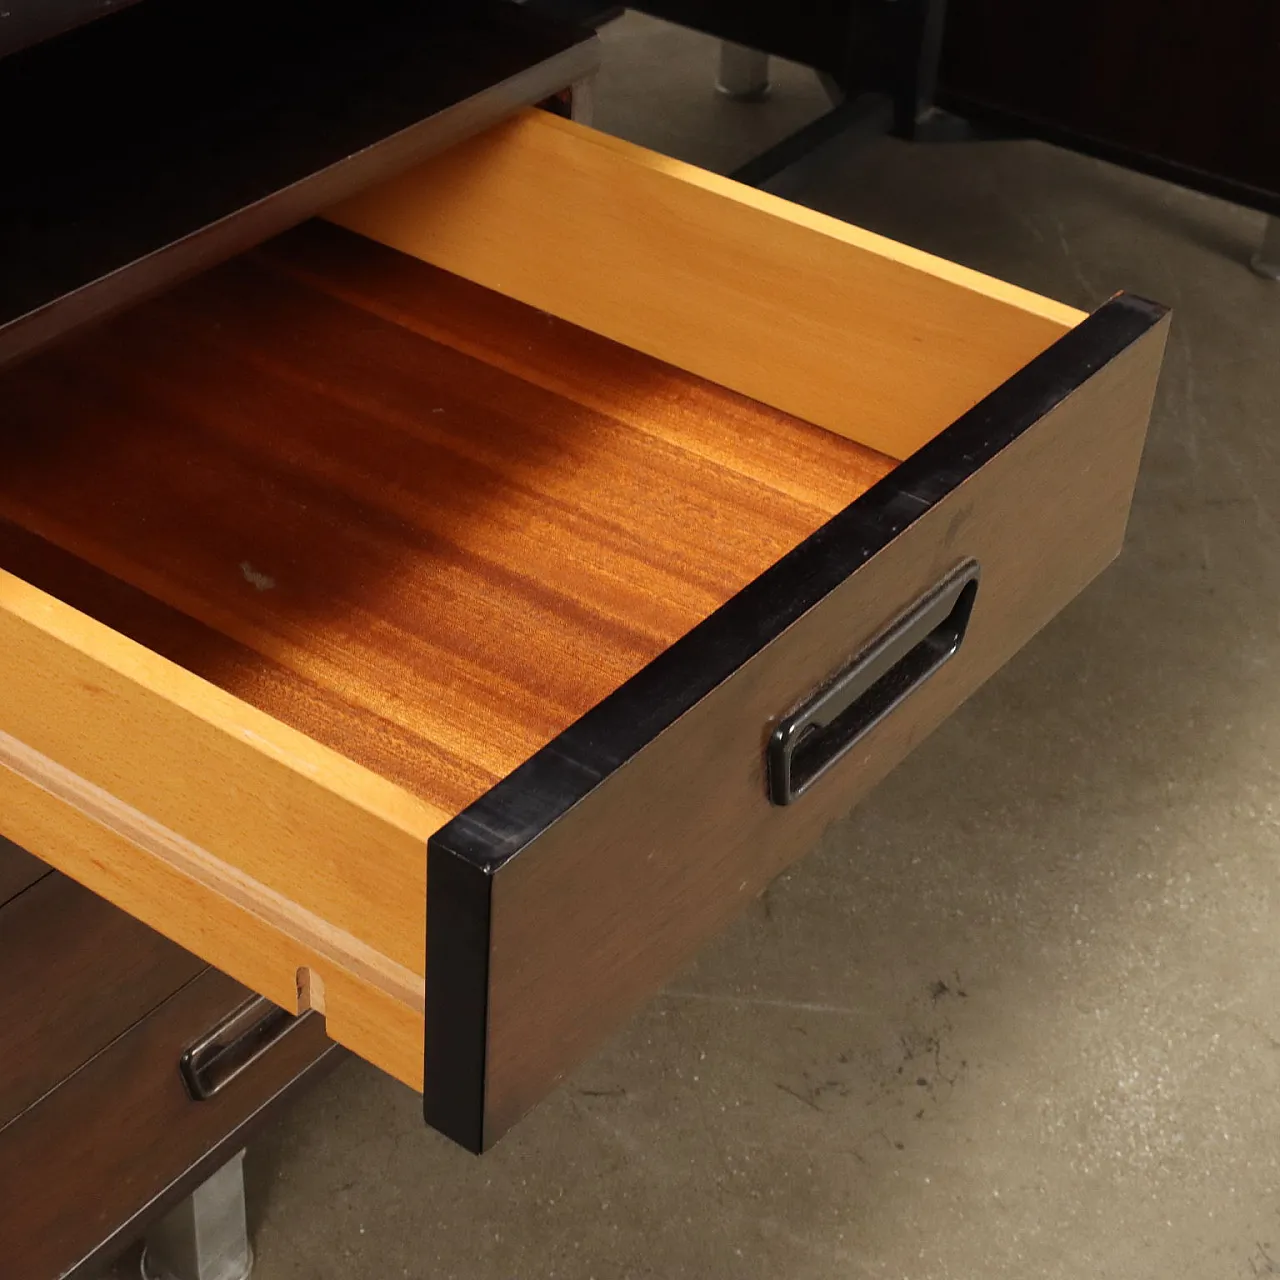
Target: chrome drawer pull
[
  {"x": 847, "y": 707},
  {"x": 234, "y": 1045}
]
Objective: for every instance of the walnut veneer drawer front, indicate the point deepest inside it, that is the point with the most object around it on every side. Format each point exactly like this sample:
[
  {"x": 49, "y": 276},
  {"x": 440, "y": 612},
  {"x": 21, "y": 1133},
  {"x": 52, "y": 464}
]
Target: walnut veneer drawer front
[{"x": 447, "y": 619}]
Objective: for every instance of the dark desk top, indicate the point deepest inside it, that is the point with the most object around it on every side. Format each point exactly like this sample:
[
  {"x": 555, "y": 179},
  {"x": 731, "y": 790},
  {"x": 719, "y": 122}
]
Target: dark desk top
[{"x": 167, "y": 137}]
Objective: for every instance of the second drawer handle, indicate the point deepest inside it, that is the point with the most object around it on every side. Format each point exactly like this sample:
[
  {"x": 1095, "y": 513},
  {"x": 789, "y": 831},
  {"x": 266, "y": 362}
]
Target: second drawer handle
[
  {"x": 849, "y": 705},
  {"x": 234, "y": 1045}
]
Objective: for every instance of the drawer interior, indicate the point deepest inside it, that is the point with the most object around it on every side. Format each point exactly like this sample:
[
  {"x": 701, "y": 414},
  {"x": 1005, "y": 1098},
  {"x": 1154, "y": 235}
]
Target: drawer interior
[
  {"x": 423, "y": 524},
  {"x": 383, "y": 519}
]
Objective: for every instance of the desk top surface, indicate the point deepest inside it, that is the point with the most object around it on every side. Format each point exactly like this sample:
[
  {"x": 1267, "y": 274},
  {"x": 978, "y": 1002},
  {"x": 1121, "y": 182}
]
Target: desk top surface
[{"x": 163, "y": 139}]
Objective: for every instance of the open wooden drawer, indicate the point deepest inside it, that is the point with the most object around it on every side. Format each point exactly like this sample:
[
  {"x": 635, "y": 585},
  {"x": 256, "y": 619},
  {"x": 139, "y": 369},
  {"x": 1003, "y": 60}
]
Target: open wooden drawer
[{"x": 438, "y": 658}]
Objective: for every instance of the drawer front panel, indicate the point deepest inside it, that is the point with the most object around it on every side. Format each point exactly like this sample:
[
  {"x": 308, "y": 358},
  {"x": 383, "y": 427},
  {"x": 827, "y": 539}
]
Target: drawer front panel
[
  {"x": 83, "y": 1170},
  {"x": 576, "y": 887}
]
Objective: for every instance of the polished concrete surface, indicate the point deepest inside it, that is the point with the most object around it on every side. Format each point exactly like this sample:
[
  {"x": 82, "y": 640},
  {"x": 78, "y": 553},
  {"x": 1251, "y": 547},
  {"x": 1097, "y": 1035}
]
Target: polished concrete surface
[{"x": 1018, "y": 1016}]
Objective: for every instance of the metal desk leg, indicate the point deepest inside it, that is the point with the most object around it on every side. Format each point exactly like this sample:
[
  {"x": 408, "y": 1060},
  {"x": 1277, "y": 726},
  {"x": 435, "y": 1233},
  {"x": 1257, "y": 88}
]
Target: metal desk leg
[
  {"x": 743, "y": 74},
  {"x": 1266, "y": 262},
  {"x": 205, "y": 1237},
  {"x": 583, "y": 108}
]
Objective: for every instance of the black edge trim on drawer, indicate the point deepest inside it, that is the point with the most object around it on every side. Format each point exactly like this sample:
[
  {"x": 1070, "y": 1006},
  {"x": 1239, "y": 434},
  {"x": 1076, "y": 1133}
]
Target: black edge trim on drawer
[
  {"x": 464, "y": 855},
  {"x": 458, "y": 940}
]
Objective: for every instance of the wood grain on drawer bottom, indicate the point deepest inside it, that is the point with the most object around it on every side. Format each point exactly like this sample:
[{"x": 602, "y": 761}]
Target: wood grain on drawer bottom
[
  {"x": 81, "y": 1168},
  {"x": 421, "y": 523}
]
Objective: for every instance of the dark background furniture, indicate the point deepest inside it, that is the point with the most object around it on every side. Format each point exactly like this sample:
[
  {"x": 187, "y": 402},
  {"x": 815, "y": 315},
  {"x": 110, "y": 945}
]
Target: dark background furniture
[{"x": 1186, "y": 89}]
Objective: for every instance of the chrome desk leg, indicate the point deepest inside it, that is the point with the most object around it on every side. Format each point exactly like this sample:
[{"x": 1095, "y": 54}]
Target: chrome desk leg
[
  {"x": 1266, "y": 262},
  {"x": 743, "y": 74},
  {"x": 584, "y": 100},
  {"x": 205, "y": 1237}
]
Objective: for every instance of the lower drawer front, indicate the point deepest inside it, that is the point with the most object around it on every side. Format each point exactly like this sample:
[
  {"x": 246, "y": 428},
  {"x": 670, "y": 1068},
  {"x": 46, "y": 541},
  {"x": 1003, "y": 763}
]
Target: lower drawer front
[
  {"x": 84, "y": 1169},
  {"x": 74, "y": 973}
]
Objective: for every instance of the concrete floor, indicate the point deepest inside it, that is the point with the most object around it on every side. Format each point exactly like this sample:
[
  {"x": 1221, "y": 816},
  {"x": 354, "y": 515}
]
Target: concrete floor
[{"x": 1019, "y": 1014}]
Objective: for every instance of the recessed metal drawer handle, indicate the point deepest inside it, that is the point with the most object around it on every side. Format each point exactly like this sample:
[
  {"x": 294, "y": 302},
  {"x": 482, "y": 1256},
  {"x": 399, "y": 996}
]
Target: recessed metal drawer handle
[
  {"x": 847, "y": 707},
  {"x": 234, "y": 1045}
]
